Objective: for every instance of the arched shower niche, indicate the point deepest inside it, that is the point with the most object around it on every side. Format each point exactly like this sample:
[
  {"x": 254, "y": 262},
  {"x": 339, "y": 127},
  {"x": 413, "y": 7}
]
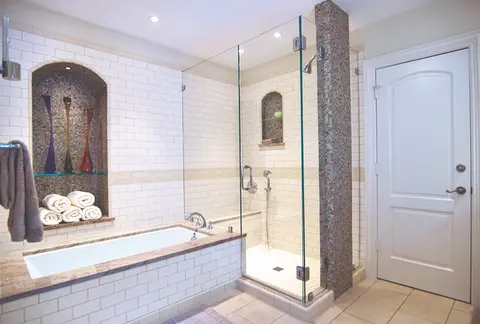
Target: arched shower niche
[{"x": 69, "y": 131}]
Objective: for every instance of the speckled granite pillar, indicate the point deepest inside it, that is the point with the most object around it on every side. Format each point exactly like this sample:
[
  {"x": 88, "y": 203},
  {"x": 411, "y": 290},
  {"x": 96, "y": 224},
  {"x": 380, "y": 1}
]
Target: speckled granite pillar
[{"x": 335, "y": 151}]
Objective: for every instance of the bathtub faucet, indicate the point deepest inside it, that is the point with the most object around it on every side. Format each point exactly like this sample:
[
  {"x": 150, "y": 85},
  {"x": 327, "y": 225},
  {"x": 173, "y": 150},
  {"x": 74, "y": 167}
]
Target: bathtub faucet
[{"x": 201, "y": 222}]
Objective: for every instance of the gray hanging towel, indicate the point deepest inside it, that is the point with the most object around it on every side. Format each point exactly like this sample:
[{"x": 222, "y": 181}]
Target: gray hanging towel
[{"x": 19, "y": 195}]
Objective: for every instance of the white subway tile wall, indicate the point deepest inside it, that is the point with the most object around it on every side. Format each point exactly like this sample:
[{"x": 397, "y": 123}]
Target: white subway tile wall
[
  {"x": 210, "y": 147},
  {"x": 129, "y": 295},
  {"x": 144, "y": 134}
]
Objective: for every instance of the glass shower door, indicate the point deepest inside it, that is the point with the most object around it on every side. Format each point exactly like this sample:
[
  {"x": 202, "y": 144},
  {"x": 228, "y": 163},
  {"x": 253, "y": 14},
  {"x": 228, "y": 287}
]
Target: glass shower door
[{"x": 271, "y": 154}]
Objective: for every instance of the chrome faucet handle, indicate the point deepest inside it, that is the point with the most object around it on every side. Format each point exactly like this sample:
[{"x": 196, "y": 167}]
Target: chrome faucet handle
[{"x": 210, "y": 226}]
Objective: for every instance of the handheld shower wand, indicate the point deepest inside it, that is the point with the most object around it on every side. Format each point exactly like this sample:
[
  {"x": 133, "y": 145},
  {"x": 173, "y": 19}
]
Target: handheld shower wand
[{"x": 267, "y": 174}]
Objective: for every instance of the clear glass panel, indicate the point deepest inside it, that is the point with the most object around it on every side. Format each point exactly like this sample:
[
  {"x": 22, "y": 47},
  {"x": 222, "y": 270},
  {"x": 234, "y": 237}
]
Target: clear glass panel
[
  {"x": 271, "y": 145},
  {"x": 357, "y": 168},
  {"x": 310, "y": 146},
  {"x": 211, "y": 151}
]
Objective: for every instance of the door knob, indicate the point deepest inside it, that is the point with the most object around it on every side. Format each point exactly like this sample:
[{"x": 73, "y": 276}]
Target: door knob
[{"x": 458, "y": 190}]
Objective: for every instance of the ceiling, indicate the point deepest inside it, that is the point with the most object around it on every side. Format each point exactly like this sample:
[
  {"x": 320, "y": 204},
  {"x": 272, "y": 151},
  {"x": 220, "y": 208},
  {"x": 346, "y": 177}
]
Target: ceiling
[{"x": 207, "y": 27}]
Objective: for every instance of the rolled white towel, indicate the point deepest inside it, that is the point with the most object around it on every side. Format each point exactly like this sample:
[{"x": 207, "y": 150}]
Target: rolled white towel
[
  {"x": 72, "y": 215},
  {"x": 56, "y": 203},
  {"x": 92, "y": 212},
  {"x": 81, "y": 199},
  {"x": 49, "y": 217}
]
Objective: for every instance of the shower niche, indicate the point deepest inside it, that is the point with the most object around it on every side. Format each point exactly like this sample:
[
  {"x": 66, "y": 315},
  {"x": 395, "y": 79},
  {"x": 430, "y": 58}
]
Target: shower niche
[
  {"x": 69, "y": 131},
  {"x": 272, "y": 120}
]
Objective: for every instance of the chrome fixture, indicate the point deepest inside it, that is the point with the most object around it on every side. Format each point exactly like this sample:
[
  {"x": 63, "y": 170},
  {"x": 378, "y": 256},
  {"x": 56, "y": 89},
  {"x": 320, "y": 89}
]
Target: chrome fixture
[
  {"x": 266, "y": 174},
  {"x": 200, "y": 220},
  {"x": 210, "y": 226},
  {"x": 10, "y": 70},
  {"x": 251, "y": 185},
  {"x": 9, "y": 146},
  {"x": 308, "y": 66}
]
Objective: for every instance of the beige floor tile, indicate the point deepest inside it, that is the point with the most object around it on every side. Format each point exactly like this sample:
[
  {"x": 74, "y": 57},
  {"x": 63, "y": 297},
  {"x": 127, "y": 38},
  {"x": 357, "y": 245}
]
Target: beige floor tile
[
  {"x": 402, "y": 318},
  {"x": 258, "y": 312},
  {"x": 349, "y": 319},
  {"x": 234, "y": 303},
  {"x": 345, "y": 300},
  {"x": 329, "y": 315},
  {"x": 376, "y": 305},
  {"x": 237, "y": 319},
  {"x": 392, "y": 287},
  {"x": 287, "y": 319},
  {"x": 361, "y": 288},
  {"x": 427, "y": 306},
  {"x": 463, "y": 307},
  {"x": 459, "y": 317}
]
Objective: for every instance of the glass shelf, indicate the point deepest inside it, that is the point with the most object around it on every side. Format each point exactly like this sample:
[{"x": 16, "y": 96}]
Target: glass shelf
[
  {"x": 38, "y": 175},
  {"x": 272, "y": 118}
]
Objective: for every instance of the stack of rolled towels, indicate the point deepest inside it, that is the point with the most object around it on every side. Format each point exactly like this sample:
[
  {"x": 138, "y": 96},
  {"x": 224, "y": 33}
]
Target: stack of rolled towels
[{"x": 78, "y": 205}]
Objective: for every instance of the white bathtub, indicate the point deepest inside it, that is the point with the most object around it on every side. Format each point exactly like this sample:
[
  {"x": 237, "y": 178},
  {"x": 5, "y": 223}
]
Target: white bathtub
[{"x": 48, "y": 263}]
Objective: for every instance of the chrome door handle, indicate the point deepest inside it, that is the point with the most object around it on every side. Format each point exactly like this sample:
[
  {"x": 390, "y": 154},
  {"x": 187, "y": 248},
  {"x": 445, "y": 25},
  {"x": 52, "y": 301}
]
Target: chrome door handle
[
  {"x": 243, "y": 175},
  {"x": 458, "y": 190}
]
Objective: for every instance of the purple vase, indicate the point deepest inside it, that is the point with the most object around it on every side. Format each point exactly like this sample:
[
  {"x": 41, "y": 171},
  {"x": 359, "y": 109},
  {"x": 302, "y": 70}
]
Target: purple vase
[{"x": 50, "y": 162}]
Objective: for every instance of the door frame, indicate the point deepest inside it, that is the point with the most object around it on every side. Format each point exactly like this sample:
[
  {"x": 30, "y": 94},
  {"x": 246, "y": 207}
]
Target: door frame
[{"x": 470, "y": 41}]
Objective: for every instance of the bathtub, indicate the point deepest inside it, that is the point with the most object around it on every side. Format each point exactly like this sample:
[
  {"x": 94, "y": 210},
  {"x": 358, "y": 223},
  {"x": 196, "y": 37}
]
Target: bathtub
[{"x": 53, "y": 262}]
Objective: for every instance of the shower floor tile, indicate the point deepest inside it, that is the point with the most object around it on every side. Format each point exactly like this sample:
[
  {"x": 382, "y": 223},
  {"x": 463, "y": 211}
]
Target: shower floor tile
[{"x": 262, "y": 262}]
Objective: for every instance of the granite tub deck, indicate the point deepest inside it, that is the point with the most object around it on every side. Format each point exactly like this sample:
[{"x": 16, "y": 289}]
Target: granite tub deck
[{"x": 16, "y": 283}]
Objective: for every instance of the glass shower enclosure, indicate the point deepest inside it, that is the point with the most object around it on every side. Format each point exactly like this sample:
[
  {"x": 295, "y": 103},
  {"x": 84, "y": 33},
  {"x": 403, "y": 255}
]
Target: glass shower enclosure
[{"x": 251, "y": 153}]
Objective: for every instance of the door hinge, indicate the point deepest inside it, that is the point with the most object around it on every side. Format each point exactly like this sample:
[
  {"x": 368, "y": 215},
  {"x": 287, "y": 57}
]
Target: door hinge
[
  {"x": 184, "y": 87},
  {"x": 375, "y": 91},
  {"x": 303, "y": 273},
  {"x": 299, "y": 43},
  {"x": 377, "y": 168},
  {"x": 377, "y": 244}
]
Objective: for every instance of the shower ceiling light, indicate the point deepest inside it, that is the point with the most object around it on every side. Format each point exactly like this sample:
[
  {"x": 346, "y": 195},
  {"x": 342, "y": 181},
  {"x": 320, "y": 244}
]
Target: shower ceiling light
[
  {"x": 277, "y": 35},
  {"x": 154, "y": 19},
  {"x": 68, "y": 68}
]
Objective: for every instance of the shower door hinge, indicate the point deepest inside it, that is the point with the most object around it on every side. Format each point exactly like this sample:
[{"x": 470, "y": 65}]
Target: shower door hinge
[
  {"x": 184, "y": 87},
  {"x": 377, "y": 244},
  {"x": 303, "y": 273},
  {"x": 299, "y": 43}
]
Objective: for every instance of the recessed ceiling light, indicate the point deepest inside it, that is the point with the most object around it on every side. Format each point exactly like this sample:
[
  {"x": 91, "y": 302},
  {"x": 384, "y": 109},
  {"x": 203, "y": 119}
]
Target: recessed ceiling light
[
  {"x": 241, "y": 51},
  {"x": 277, "y": 35},
  {"x": 68, "y": 68},
  {"x": 154, "y": 19}
]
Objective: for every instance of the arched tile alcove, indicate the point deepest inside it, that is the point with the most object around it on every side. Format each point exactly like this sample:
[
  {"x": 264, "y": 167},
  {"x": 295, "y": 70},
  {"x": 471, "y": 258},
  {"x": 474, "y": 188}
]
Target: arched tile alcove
[{"x": 86, "y": 89}]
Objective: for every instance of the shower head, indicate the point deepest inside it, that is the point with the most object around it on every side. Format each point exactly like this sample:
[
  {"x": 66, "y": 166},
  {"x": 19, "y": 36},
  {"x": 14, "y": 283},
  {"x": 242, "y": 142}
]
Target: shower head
[
  {"x": 308, "y": 67},
  {"x": 267, "y": 173},
  {"x": 9, "y": 70}
]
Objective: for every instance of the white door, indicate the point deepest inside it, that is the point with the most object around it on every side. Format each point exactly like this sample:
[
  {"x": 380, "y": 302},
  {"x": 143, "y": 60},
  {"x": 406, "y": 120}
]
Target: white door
[{"x": 423, "y": 122}]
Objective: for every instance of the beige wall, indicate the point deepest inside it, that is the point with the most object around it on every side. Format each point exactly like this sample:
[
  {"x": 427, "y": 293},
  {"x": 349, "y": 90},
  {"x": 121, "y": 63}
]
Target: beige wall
[{"x": 437, "y": 20}]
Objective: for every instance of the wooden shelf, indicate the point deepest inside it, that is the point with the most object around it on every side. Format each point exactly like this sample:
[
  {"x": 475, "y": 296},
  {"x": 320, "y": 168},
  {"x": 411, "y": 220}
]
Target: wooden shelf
[{"x": 104, "y": 219}]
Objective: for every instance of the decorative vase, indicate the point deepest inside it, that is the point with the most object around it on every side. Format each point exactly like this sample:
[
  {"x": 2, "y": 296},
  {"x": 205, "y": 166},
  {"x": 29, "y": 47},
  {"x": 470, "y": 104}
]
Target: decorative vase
[
  {"x": 50, "y": 162},
  {"x": 68, "y": 159},
  {"x": 87, "y": 165}
]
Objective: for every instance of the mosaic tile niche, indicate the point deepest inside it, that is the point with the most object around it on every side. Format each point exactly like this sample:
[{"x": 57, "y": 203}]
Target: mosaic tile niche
[
  {"x": 86, "y": 90},
  {"x": 272, "y": 119}
]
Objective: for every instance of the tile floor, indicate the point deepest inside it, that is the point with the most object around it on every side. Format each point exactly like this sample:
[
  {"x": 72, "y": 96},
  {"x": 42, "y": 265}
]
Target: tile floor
[
  {"x": 378, "y": 302},
  {"x": 260, "y": 264}
]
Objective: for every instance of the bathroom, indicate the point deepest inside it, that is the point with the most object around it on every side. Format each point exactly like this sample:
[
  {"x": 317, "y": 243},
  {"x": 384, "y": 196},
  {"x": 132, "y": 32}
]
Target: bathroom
[{"x": 236, "y": 142}]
